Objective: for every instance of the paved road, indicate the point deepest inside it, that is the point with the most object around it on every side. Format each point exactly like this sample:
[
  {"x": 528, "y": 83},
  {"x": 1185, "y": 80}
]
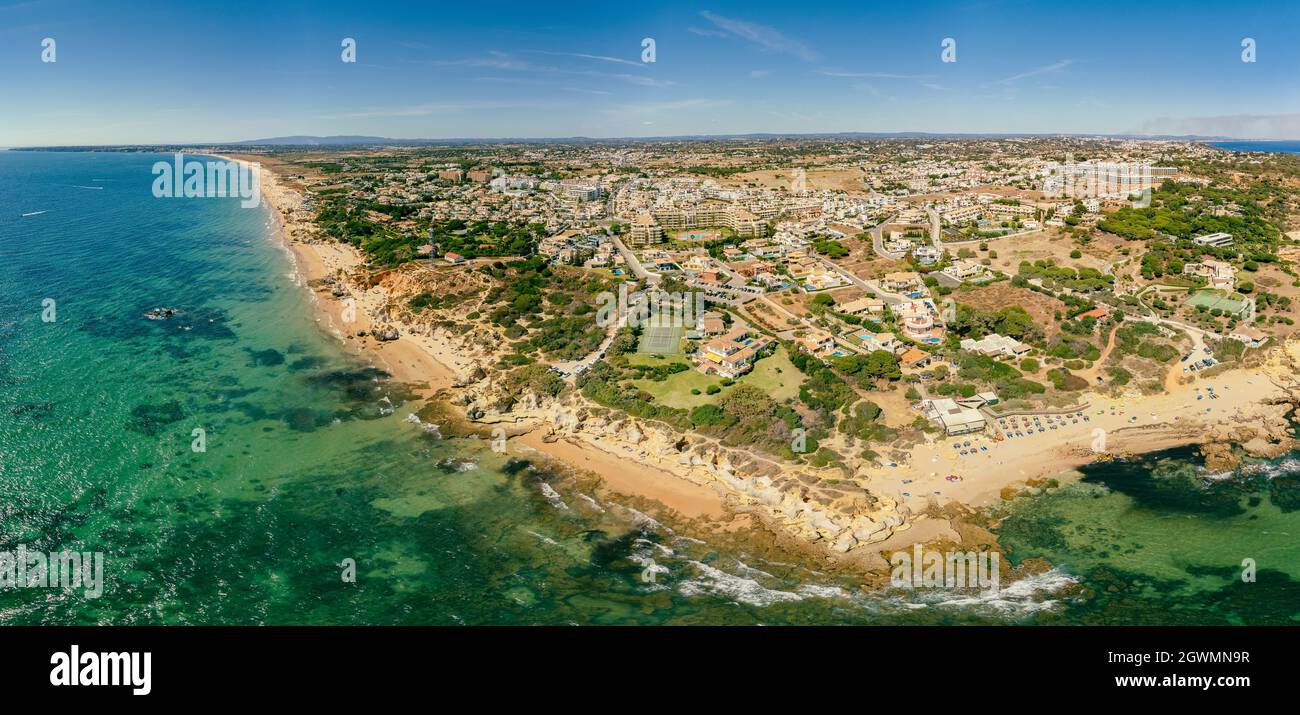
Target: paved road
[
  {"x": 868, "y": 286},
  {"x": 849, "y": 276},
  {"x": 634, "y": 264},
  {"x": 935, "y": 228},
  {"x": 878, "y": 242},
  {"x": 1198, "y": 335},
  {"x": 570, "y": 369},
  {"x": 945, "y": 279}
]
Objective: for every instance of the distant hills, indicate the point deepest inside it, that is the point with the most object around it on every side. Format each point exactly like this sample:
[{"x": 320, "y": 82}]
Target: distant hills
[
  {"x": 347, "y": 140},
  {"x": 307, "y": 140}
]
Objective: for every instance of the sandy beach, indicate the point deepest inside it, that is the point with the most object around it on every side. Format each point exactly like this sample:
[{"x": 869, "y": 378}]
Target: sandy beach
[
  {"x": 407, "y": 358},
  {"x": 631, "y": 478},
  {"x": 1113, "y": 427}
]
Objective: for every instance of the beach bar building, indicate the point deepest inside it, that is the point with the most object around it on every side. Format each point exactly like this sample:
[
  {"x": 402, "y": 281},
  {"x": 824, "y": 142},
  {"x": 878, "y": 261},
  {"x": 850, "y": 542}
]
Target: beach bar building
[{"x": 957, "y": 419}]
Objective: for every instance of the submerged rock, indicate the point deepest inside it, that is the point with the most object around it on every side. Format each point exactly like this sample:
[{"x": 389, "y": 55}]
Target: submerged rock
[{"x": 160, "y": 313}]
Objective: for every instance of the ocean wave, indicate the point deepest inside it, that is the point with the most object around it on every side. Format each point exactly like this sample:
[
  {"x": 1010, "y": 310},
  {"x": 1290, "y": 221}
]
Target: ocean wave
[
  {"x": 545, "y": 539},
  {"x": 644, "y": 519},
  {"x": 457, "y": 464},
  {"x": 750, "y": 591},
  {"x": 552, "y": 496},
  {"x": 746, "y": 568},
  {"x": 1270, "y": 470},
  {"x": 816, "y": 590},
  {"x": 662, "y": 549},
  {"x": 715, "y": 582},
  {"x": 1020, "y": 598},
  {"x": 429, "y": 427}
]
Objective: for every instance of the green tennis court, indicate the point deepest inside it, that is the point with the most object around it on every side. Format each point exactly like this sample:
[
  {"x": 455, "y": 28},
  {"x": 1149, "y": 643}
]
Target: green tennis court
[
  {"x": 662, "y": 340},
  {"x": 1232, "y": 305}
]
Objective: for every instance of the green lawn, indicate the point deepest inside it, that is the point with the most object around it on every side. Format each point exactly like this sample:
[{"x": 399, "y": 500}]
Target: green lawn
[{"x": 775, "y": 375}]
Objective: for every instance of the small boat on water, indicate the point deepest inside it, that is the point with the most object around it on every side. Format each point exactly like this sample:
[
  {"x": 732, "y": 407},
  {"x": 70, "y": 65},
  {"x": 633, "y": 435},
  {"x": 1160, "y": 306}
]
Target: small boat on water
[
  {"x": 34, "y": 213},
  {"x": 160, "y": 313}
]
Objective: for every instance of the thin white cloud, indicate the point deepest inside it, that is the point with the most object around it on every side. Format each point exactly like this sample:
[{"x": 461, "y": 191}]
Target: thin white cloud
[
  {"x": 643, "y": 81},
  {"x": 503, "y": 61},
  {"x": 496, "y": 60},
  {"x": 706, "y": 33},
  {"x": 1045, "y": 69},
  {"x": 922, "y": 80},
  {"x": 769, "y": 38},
  {"x": 585, "y": 56},
  {"x": 874, "y": 75}
]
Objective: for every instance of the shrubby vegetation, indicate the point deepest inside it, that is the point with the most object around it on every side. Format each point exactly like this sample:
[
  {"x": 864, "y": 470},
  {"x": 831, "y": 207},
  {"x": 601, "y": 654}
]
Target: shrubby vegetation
[
  {"x": 1005, "y": 380},
  {"x": 567, "y": 329},
  {"x": 386, "y": 245},
  {"x": 1186, "y": 210},
  {"x": 1055, "y": 277},
  {"x": 1012, "y": 321},
  {"x": 879, "y": 365},
  {"x": 830, "y": 248},
  {"x": 1134, "y": 338}
]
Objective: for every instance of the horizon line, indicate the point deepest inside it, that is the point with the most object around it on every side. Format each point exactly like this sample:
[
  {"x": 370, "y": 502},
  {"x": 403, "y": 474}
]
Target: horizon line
[{"x": 369, "y": 139}]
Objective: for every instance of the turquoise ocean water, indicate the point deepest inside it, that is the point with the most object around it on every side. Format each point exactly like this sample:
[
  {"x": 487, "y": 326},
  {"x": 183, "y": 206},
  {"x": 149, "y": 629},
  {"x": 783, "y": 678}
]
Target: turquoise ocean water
[
  {"x": 311, "y": 460},
  {"x": 1279, "y": 146}
]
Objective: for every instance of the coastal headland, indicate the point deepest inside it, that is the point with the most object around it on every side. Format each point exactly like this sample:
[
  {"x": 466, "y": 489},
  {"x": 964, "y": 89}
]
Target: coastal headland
[{"x": 934, "y": 494}]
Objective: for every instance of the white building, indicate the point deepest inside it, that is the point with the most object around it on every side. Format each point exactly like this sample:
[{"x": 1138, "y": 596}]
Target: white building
[
  {"x": 927, "y": 255},
  {"x": 995, "y": 344},
  {"x": 1213, "y": 239},
  {"x": 957, "y": 419}
]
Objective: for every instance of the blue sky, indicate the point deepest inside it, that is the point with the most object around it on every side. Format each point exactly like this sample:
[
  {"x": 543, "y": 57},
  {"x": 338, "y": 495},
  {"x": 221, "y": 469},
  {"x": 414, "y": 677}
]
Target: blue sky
[{"x": 191, "y": 72}]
